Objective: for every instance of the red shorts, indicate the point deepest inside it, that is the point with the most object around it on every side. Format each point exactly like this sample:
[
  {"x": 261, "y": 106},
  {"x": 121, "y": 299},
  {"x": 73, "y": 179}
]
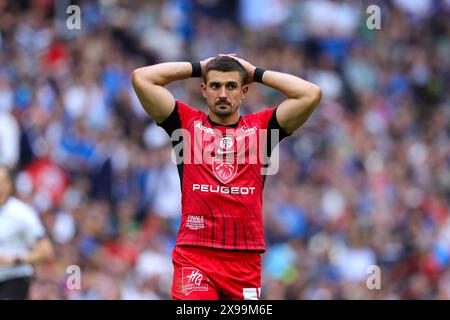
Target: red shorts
[{"x": 211, "y": 274}]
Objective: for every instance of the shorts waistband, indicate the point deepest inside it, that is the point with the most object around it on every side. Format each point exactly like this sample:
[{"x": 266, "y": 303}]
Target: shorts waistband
[{"x": 235, "y": 255}]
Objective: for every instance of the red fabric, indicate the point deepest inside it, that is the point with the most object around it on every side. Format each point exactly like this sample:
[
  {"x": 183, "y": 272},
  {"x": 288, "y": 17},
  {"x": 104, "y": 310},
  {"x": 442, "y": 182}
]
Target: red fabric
[
  {"x": 222, "y": 194},
  {"x": 125, "y": 250},
  {"x": 211, "y": 274},
  {"x": 50, "y": 178}
]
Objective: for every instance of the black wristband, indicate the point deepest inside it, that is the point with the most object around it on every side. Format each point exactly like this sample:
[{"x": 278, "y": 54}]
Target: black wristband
[
  {"x": 196, "y": 69},
  {"x": 257, "y": 76}
]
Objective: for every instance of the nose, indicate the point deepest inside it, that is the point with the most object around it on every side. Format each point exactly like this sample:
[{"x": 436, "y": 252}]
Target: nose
[{"x": 223, "y": 93}]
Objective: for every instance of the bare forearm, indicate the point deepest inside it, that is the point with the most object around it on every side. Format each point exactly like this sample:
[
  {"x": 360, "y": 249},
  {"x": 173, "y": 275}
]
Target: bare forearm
[
  {"x": 42, "y": 251},
  {"x": 149, "y": 84},
  {"x": 164, "y": 73},
  {"x": 291, "y": 86},
  {"x": 302, "y": 98}
]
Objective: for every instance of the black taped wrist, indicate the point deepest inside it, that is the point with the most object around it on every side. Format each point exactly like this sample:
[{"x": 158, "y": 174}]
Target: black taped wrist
[
  {"x": 196, "y": 69},
  {"x": 257, "y": 76}
]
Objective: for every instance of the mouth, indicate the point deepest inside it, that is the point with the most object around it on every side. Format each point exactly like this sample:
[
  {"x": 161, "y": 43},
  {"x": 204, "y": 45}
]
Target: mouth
[{"x": 222, "y": 105}]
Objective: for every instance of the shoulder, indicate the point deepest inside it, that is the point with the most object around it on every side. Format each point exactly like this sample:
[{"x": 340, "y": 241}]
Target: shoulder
[
  {"x": 20, "y": 209},
  {"x": 261, "y": 117},
  {"x": 188, "y": 114},
  {"x": 184, "y": 108}
]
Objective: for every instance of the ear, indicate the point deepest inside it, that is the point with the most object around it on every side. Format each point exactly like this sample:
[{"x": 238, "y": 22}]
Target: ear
[
  {"x": 244, "y": 91},
  {"x": 203, "y": 89}
]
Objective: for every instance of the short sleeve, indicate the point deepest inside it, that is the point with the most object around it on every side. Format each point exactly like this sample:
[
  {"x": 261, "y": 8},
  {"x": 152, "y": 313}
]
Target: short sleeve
[
  {"x": 269, "y": 121},
  {"x": 275, "y": 133},
  {"x": 181, "y": 117},
  {"x": 274, "y": 125},
  {"x": 172, "y": 122}
]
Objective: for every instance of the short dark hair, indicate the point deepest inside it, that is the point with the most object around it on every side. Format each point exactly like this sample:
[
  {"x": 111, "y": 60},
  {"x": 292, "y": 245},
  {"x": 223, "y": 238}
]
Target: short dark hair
[{"x": 226, "y": 64}]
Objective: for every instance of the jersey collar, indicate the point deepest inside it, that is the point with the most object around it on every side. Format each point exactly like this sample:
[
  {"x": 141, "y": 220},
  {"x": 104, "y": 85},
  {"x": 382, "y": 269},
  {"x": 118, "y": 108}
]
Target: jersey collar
[{"x": 233, "y": 125}]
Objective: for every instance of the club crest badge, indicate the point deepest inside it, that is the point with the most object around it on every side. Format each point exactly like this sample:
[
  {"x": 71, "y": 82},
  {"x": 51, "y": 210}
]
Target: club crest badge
[
  {"x": 224, "y": 164},
  {"x": 226, "y": 145},
  {"x": 224, "y": 169}
]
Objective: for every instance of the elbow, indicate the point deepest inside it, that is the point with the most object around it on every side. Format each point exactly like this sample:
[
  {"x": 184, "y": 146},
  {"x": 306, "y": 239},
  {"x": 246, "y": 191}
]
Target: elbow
[
  {"x": 142, "y": 77},
  {"x": 136, "y": 77},
  {"x": 316, "y": 95}
]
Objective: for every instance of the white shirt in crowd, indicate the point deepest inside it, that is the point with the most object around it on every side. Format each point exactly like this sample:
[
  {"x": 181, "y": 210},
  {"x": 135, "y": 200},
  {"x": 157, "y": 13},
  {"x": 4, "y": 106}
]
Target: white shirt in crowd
[
  {"x": 20, "y": 228},
  {"x": 9, "y": 139}
]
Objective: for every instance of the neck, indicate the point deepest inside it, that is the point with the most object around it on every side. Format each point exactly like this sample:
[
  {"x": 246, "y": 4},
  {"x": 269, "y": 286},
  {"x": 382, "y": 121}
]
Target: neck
[{"x": 225, "y": 120}]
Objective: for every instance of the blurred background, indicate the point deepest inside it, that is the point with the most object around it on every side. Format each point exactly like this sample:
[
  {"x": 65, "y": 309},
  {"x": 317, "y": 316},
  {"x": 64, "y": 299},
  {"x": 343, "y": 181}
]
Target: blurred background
[{"x": 365, "y": 182}]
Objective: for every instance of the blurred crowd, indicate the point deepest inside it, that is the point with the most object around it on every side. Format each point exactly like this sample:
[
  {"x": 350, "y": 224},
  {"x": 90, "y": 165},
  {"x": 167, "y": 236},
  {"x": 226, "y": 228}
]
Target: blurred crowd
[{"x": 366, "y": 182}]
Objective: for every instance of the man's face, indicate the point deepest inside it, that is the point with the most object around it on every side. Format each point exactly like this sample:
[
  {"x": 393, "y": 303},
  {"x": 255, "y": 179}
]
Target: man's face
[
  {"x": 223, "y": 92},
  {"x": 5, "y": 185}
]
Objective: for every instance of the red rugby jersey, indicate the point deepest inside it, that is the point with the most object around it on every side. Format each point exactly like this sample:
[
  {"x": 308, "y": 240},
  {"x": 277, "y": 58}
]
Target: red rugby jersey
[{"x": 221, "y": 174}]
